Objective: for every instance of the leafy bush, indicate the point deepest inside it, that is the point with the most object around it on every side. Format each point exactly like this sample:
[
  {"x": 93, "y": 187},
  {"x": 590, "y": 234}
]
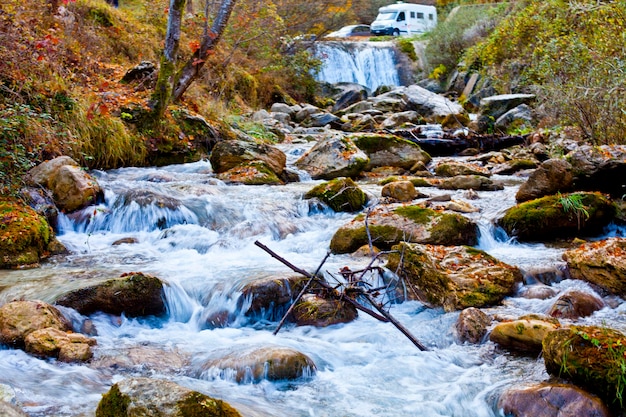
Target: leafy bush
[{"x": 572, "y": 55}]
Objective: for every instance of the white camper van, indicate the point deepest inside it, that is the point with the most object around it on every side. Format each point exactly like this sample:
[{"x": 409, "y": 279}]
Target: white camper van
[{"x": 404, "y": 19}]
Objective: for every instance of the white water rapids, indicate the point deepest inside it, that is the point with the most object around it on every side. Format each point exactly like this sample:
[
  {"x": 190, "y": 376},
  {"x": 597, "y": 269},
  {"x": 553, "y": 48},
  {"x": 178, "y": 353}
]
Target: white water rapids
[{"x": 197, "y": 234}]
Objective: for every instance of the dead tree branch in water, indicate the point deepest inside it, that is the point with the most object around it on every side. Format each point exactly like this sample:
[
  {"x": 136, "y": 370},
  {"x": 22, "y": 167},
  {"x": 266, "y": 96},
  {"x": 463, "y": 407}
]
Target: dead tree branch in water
[{"x": 356, "y": 287}]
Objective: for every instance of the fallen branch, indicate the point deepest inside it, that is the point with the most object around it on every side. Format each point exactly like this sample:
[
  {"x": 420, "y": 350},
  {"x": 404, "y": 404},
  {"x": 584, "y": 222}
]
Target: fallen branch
[{"x": 384, "y": 315}]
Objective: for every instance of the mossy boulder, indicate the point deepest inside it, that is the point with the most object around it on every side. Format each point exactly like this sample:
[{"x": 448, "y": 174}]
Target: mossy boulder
[
  {"x": 592, "y": 358},
  {"x": 550, "y": 217},
  {"x": 333, "y": 157},
  {"x": 142, "y": 397},
  {"x": 25, "y": 236},
  {"x": 454, "y": 277},
  {"x": 134, "y": 294},
  {"x": 602, "y": 263},
  {"x": 229, "y": 154},
  {"x": 340, "y": 194},
  {"x": 312, "y": 310},
  {"x": 389, "y": 150},
  {"x": 524, "y": 334},
  {"x": 251, "y": 173},
  {"x": 252, "y": 365},
  {"x": 389, "y": 225},
  {"x": 18, "y": 319}
]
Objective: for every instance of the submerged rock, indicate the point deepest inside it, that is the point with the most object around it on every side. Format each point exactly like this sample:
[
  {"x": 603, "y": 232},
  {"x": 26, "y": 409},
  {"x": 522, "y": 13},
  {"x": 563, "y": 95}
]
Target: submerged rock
[
  {"x": 524, "y": 334},
  {"x": 453, "y": 277},
  {"x": 551, "y": 400},
  {"x": 340, "y": 194},
  {"x": 391, "y": 225},
  {"x": 134, "y": 294},
  {"x": 252, "y": 365},
  {"x": 568, "y": 215},
  {"x": 147, "y": 397},
  {"x": 268, "y": 297},
  {"x": 602, "y": 263}
]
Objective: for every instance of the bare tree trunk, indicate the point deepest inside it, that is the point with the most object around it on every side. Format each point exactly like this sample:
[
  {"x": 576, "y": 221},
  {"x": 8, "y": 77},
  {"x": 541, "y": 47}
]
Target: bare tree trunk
[
  {"x": 167, "y": 73},
  {"x": 210, "y": 39},
  {"x": 190, "y": 7}
]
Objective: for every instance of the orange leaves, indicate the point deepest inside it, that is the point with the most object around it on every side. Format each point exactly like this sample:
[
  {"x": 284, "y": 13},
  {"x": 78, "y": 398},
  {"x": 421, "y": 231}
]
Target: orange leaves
[{"x": 194, "y": 46}]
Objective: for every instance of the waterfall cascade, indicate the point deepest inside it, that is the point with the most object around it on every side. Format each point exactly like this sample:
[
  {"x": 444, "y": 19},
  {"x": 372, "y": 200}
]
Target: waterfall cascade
[{"x": 371, "y": 64}]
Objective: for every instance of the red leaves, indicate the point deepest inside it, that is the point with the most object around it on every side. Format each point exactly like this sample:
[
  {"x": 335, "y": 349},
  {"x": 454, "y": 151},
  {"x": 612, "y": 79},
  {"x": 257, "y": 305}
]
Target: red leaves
[{"x": 194, "y": 46}]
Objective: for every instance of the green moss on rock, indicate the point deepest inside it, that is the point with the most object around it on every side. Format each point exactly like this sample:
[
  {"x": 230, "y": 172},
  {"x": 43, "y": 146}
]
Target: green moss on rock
[{"x": 341, "y": 194}]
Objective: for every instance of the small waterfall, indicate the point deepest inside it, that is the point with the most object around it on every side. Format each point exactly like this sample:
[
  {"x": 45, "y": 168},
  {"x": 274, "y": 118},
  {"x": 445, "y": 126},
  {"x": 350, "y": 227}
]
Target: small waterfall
[{"x": 371, "y": 64}]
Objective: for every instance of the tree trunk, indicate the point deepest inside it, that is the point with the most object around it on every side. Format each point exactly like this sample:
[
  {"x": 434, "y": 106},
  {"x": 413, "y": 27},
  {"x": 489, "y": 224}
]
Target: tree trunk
[
  {"x": 165, "y": 82},
  {"x": 192, "y": 68}
]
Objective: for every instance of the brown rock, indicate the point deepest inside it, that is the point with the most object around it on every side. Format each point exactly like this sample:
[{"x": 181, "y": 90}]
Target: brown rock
[
  {"x": 64, "y": 346},
  {"x": 20, "y": 318},
  {"x": 399, "y": 190},
  {"x": 575, "y": 304},
  {"x": 525, "y": 334},
  {"x": 553, "y": 175},
  {"x": 312, "y": 310},
  {"x": 471, "y": 326}
]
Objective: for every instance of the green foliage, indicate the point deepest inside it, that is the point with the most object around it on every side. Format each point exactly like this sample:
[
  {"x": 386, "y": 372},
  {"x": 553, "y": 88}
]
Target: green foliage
[
  {"x": 572, "y": 53},
  {"x": 452, "y": 36},
  {"x": 406, "y": 47},
  {"x": 573, "y": 203}
]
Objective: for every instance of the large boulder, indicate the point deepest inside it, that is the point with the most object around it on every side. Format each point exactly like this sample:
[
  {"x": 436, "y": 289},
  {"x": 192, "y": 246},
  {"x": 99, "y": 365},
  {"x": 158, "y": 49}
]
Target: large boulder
[
  {"x": 602, "y": 263},
  {"x": 134, "y": 294},
  {"x": 229, "y": 154},
  {"x": 389, "y": 150},
  {"x": 72, "y": 188},
  {"x": 388, "y": 226},
  {"x": 401, "y": 191},
  {"x": 252, "y": 365},
  {"x": 551, "y": 400},
  {"x": 567, "y": 215},
  {"x": 591, "y": 357},
  {"x": 313, "y": 310},
  {"x": 524, "y": 334},
  {"x": 61, "y": 345},
  {"x": 434, "y": 107},
  {"x": 333, "y": 157},
  {"x": 552, "y": 176},
  {"x": 340, "y": 194},
  {"x": 18, "y": 319},
  {"x": 599, "y": 168},
  {"x": 145, "y": 397},
  {"x": 25, "y": 236},
  {"x": 455, "y": 277},
  {"x": 251, "y": 173}
]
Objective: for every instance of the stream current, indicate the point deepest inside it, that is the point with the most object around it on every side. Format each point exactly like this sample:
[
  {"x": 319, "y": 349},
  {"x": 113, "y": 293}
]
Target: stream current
[{"x": 197, "y": 234}]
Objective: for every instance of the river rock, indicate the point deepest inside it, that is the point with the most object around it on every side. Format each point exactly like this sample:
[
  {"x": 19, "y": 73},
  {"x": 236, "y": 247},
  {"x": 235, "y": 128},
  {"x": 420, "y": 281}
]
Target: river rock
[
  {"x": 434, "y": 107},
  {"x": 469, "y": 182},
  {"x": 456, "y": 168},
  {"x": 389, "y": 225},
  {"x": 134, "y": 294},
  {"x": 312, "y": 310},
  {"x": 514, "y": 165},
  {"x": 524, "y": 334},
  {"x": 141, "y": 358},
  {"x": 496, "y": 106},
  {"x": 18, "y": 319},
  {"x": 549, "y": 217},
  {"x": 272, "y": 363},
  {"x": 148, "y": 397},
  {"x": 270, "y": 296},
  {"x": 251, "y": 173},
  {"x": 61, "y": 345},
  {"x": 599, "y": 168},
  {"x": 340, "y": 194},
  {"x": 349, "y": 97},
  {"x": 229, "y": 154},
  {"x": 400, "y": 120},
  {"x": 72, "y": 188},
  {"x": 401, "y": 191},
  {"x": 602, "y": 263},
  {"x": 591, "y": 357},
  {"x": 10, "y": 410},
  {"x": 454, "y": 277},
  {"x": 553, "y": 175},
  {"x": 333, "y": 157},
  {"x": 25, "y": 236},
  {"x": 520, "y": 116},
  {"x": 574, "y": 304},
  {"x": 538, "y": 291},
  {"x": 471, "y": 326},
  {"x": 385, "y": 150},
  {"x": 551, "y": 400}
]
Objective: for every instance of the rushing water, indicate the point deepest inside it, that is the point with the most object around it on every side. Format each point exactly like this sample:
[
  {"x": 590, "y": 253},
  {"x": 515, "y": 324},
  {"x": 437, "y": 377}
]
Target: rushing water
[
  {"x": 197, "y": 234},
  {"x": 371, "y": 64}
]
